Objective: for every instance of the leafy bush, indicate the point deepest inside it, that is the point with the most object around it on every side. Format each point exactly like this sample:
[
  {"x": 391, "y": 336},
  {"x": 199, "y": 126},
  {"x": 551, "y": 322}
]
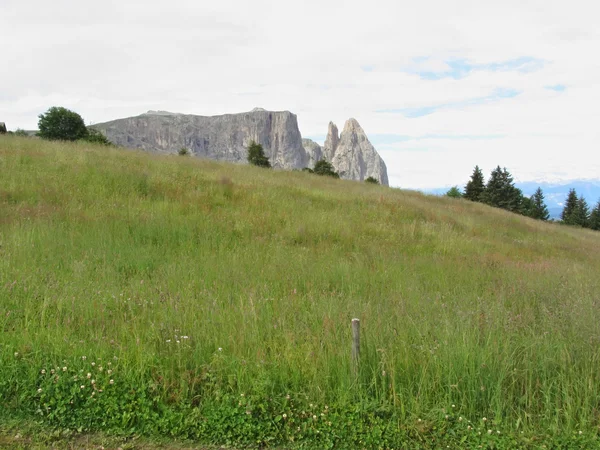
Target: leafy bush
[
  {"x": 61, "y": 124},
  {"x": 183, "y": 151},
  {"x": 371, "y": 180},
  {"x": 323, "y": 167},
  {"x": 21, "y": 132},
  {"x": 95, "y": 136}
]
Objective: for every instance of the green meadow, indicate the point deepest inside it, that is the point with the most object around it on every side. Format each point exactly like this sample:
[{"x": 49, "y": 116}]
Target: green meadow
[{"x": 180, "y": 299}]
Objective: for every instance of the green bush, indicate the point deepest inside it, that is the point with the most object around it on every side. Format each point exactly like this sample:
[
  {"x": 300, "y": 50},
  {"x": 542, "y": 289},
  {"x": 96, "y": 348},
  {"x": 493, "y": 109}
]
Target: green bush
[
  {"x": 97, "y": 137},
  {"x": 371, "y": 180},
  {"x": 323, "y": 167},
  {"x": 61, "y": 124},
  {"x": 183, "y": 151}
]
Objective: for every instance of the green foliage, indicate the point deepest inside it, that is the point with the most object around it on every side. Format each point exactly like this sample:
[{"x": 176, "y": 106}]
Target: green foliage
[
  {"x": 476, "y": 186},
  {"x": 96, "y": 137},
  {"x": 2, "y": 128},
  {"x": 537, "y": 208},
  {"x": 256, "y": 156},
  {"x": 325, "y": 168},
  {"x": 308, "y": 169},
  {"x": 582, "y": 212},
  {"x": 226, "y": 295},
  {"x": 501, "y": 192},
  {"x": 569, "y": 215},
  {"x": 183, "y": 151},
  {"x": 59, "y": 123},
  {"x": 21, "y": 133},
  {"x": 595, "y": 217},
  {"x": 371, "y": 180},
  {"x": 454, "y": 192}
]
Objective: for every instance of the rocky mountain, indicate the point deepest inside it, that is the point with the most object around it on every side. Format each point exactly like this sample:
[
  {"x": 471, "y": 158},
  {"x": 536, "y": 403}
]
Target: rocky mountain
[{"x": 227, "y": 137}]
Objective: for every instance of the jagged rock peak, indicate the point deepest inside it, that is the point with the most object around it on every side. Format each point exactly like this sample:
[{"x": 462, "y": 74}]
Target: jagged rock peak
[
  {"x": 331, "y": 142},
  {"x": 355, "y": 158}
]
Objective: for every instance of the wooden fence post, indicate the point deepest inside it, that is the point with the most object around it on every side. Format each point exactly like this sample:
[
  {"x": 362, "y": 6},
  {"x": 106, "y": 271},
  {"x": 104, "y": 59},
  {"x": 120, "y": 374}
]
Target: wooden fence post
[{"x": 355, "y": 345}]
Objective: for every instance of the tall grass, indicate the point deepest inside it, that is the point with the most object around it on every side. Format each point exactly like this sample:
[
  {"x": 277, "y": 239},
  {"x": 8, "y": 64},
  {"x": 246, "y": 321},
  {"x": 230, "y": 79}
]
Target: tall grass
[{"x": 203, "y": 280}]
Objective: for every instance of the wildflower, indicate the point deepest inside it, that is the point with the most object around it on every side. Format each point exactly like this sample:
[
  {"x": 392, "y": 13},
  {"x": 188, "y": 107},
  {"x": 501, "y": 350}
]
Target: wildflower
[
  {"x": 460, "y": 419},
  {"x": 248, "y": 412},
  {"x": 314, "y": 417},
  {"x": 112, "y": 381},
  {"x": 447, "y": 416},
  {"x": 469, "y": 428},
  {"x": 177, "y": 342},
  {"x": 109, "y": 363},
  {"x": 100, "y": 368},
  {"x": 220, "y": 349},
  {"x": 326, "y": 407},
  {"x": 168, "y": 340},
  {"x": 93, "y": 364},
  {"x": 498, "y": 431},
  {"x": 82, "y": 386},
  {"x": 39, "y": 390},
  {"x": 64, "y": 369},
  {"x": 284, "y": 416},
  {"x": 580, "y": 432},
  {"x": 43, "y": 371},
  {"x": 93, "y": 382},
  {"x": 287, "y": 396},
  {"x": 84, "y": 358},
  {"x": 484, "y": 419},
  {"x": 16, "y": 354},
  {"x": 185, "y": 337},
  {"x": 52, "y": 371},
  {"x": 454, "y": 406},
  {"x": 89, "y": 375},
  {"x": 489, "y": 431},
  {"x": 241, "y": 395}
]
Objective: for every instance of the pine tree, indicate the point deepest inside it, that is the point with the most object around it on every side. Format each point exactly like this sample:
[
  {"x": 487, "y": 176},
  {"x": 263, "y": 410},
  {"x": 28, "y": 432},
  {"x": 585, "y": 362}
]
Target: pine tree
[
  {"x": 454, "y": 192},
  {"x": 569, "y": 212},
  {"x": 475, "y": 187},
  {"x": 595, "y": 217},
  {"x": 256, "y": 156},
  {"x": 538, "y": 207},
  {"x": 501, "y": 192},
  {"x": 582, "y": 212}
]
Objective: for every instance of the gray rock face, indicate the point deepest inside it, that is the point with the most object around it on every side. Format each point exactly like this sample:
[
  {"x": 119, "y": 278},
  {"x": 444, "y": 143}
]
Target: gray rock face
[
  {"x": 313, "y": 151},
  {"x": 224, "y": 138},
  {"x": 355, "y": 158}
]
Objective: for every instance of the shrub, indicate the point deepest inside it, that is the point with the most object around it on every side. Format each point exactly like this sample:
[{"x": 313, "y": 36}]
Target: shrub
[
  {"x": 61, "y": 124},
  {"x": 21, "y": 132},
  {"x": 323, "y": 167},
  {"x": 95, "y": 136},
  {"x": 371, "y": 180},
  {"x": 183, "y": 151}
]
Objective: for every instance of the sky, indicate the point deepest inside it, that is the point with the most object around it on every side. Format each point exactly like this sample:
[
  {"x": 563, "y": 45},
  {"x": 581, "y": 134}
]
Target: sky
[{"x": 438, "y": 86}]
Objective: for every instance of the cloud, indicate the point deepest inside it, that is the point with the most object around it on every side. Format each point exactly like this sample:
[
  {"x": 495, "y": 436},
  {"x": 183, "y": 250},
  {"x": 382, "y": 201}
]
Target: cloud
[{"x": 327, "y": 61}]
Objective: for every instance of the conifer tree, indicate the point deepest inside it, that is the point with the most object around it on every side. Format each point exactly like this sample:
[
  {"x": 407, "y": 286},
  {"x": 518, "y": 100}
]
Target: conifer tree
[
  {"x": 475, "y": 187},
  {"x": 538, "y": 208},
  {"x": 569, "y": 212},
  {"x": 582, "y": 212},
  {"x": 256, "y": 156},
  {"x": 595, "y": 217},
  {"x": 454, "y": 192},
  {"x": 501, "y": 192}
]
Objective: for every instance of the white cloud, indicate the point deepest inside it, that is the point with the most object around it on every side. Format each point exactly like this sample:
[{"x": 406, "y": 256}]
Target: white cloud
[{"x": 326, "y": 60}]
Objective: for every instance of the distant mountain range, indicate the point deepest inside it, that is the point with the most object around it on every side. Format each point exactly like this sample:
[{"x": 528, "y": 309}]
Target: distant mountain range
[{"x": 554, "y": 193}]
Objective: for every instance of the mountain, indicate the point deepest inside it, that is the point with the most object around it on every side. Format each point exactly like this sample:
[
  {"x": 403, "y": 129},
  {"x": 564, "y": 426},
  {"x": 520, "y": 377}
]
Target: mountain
[
  {"x": 351, "y": 153},
  {"x": 226, "y": 138}
]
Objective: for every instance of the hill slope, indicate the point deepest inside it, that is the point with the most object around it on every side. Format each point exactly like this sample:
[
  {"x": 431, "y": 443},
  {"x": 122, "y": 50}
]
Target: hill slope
[{"x": 220, "y": 296}]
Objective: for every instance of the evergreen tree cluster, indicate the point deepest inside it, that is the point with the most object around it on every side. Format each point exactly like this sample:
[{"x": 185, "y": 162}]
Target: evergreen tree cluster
[
  {"x": 500, "y": 191},
  {"x": 577, "y": 212}
]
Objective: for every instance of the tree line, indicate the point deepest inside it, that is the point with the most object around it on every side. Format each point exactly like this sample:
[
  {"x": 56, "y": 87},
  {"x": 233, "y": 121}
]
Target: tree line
[{"x": 501, "y": 192}]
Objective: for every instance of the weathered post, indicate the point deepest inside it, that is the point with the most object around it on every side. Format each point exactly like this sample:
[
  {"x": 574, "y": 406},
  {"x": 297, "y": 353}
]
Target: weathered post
[{"x": 355, "y": 345}]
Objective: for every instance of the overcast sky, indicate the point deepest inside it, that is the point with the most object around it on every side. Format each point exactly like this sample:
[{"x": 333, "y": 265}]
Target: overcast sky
[{"x": 438, "y": 86}]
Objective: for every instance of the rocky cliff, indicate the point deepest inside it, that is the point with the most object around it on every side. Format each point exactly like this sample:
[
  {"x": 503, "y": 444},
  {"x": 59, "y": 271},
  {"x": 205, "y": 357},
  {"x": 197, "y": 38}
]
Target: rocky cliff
[
  {"x": 224, "y": 138},
  {"x": 227, "y": 137}
]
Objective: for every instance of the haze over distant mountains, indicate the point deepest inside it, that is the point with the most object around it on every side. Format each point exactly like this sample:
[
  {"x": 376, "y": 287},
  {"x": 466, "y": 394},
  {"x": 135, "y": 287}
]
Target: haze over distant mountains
[{"x": 226, "y": 138}]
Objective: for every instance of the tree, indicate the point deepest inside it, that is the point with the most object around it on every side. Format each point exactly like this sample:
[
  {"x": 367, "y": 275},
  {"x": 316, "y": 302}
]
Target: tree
[
  {"x": 476, "y": 186},
  {"x": 538, "y": 209},
  {"x": 20, "y": 132},
  {"x": 582, "y": 212},
  {"x": 323, "y": 167},
  {"x": 501, "y": 192},
  {"x": 371, "y": 180},
  {"x": 569, "y": 212},
  {"x": 595, "y": 217},
  {"x": 61, "y": 124},
  {"x": 256, "y": 156},
  {"x": 454, "y": 192},
  {"x": 96, "y": 137}
]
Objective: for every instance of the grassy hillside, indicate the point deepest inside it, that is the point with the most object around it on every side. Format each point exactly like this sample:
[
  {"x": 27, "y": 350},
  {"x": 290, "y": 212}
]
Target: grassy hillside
[{"x": 218, "y": 300}]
